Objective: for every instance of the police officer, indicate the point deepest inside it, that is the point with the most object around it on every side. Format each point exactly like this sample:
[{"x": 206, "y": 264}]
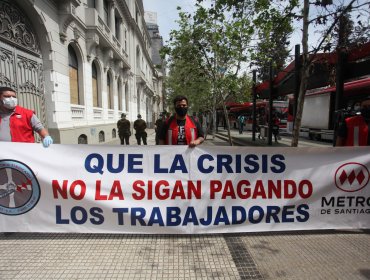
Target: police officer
[
  {"x": 355, "y": 130},
  {"x": 140, "y": 126},
  {"x": 124, "y": 132}
]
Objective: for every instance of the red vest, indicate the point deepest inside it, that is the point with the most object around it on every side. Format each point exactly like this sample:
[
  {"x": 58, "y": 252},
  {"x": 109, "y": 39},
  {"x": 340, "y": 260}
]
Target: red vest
[
  {"x": 20, "y": 125},
  {"x": 357, "y": 131},
  {"x": 173, "y": 131}
]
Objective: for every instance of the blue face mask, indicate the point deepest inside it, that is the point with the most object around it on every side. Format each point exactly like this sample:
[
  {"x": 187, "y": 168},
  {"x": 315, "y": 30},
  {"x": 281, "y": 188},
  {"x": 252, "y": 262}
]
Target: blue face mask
[{"x": 10, "y": 102}]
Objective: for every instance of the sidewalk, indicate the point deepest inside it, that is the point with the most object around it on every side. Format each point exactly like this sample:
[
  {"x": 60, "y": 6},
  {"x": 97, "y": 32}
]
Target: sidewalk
[
  {"x": 245, "y": 139},
  {"x": 299, "y": 255}
]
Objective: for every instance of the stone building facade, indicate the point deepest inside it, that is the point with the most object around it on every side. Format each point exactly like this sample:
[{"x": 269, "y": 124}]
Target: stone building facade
[
  {"x": 79, "y": 64},
  {"x": 156, "y": 46}
]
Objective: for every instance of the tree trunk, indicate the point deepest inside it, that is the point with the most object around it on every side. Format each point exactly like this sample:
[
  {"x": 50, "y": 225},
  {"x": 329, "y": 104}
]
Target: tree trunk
[
  {"x": 227, "y": 123},
  {"x": 301, "y": 96},
  {"x": 304, "y": 74},
  {"x": 214, "y": 117}
]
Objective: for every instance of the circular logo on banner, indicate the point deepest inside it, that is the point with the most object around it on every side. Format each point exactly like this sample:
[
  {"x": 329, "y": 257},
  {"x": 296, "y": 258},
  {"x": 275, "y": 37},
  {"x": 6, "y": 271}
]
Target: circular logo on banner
[
  {"x": 351, "y": 177},
  {"x": 19, "y": 188}
]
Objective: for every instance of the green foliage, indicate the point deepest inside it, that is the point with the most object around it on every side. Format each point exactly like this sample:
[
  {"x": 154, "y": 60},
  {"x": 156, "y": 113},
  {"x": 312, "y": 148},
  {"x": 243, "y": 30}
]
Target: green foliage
[
  {"x": 208, "y": 50},
  {"x": 347, "y": 33},
  {"x": 273, "y": 29}
]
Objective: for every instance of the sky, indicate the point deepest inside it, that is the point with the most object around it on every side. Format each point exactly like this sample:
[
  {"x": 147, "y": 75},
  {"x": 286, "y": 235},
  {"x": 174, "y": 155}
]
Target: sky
[{"x": 167, "y": 13}]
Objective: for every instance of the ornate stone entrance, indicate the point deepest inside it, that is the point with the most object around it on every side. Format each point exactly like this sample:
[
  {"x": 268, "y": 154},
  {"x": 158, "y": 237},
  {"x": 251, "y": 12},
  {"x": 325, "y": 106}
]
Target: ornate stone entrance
[{"x": 20, "y": 58}]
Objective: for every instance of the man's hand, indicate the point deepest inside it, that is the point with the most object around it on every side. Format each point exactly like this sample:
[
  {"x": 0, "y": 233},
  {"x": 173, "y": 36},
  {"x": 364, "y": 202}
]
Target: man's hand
[{"x": 196, "y": 142}]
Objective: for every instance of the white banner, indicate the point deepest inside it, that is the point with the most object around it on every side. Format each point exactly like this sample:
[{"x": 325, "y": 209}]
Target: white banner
[{"x": 177, "y": 190}]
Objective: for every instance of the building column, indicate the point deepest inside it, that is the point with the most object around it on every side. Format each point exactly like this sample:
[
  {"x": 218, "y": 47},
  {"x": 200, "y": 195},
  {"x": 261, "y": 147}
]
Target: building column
[
  {"x": 115, "y": 93},
  {"x": 112, "y": 17},
  {"x": 100, "y": 7}
]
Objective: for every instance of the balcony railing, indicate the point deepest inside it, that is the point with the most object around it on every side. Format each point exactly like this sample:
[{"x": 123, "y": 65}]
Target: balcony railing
[
  {"x": 78, "y": 111},
  {"x": 98, "y": 113},
  {"x": 110, "y": 114}
]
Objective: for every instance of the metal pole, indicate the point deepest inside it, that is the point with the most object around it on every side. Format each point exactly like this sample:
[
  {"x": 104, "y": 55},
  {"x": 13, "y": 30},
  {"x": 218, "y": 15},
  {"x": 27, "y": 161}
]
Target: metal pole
[
  {"x": 340, "y": 66},
  {"x": 339, "y": 78},
  {"x": 270, "y": 107},
  {"x": 254, "y": 106},
  {"x": 297, "y": 80}
]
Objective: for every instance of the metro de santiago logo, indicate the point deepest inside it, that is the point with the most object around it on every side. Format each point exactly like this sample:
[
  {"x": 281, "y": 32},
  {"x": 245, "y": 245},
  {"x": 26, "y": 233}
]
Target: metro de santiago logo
[
  {"x": 351, "y": 177},
  {"x": 19, "y": 188}
]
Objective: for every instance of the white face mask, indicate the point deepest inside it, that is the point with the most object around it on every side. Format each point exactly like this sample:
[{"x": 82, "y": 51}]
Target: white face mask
[{"x": 10, "y": 102}]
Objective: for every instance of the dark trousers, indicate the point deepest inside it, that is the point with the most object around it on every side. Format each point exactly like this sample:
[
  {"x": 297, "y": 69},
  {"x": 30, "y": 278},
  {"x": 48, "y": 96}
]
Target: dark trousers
[
  {"x": 125, "y": 138},
  {"x": 275, "y": 132},
  {"x": 241, "y": 126},
  {"x": 140, "y": 137}
]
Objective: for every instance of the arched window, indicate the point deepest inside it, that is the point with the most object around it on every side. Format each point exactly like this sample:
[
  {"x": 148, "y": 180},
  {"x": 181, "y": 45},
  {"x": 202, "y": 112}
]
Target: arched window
[
  {"x": 95, "y": 91},
  {"x": 114, "y": 133},
  {"x": 73, "y": 76},
  {"x": 101, "y": 137},
  {"x": 119, "y": 89},
  {"x": 109, "y": 92},
  {"x": 82, "y": 139}
]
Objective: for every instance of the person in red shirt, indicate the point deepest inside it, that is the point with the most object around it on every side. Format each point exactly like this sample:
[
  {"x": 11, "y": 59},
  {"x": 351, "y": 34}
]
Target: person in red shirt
[
  {"x": 181, "y": 129},
  {"x": 18, "y": 124},
  {"x": 355, "y": 130}
]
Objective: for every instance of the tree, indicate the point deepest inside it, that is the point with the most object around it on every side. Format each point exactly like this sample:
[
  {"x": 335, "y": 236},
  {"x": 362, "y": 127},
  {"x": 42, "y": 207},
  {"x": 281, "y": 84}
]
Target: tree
[
  {"x": 272, "y": 41},
  {"x": 186, "y": 72},
  {"x": 329, "y": 17},
  {"x": 224, "y": 34},
  {"x": 219, "y": 36},
  {"x": 348, "y": 34},
  {"x": 269, "y": 16}
]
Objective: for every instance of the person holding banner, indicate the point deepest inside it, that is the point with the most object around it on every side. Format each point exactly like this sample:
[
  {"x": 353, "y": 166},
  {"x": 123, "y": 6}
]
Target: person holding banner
[
  {"x": 181, "y": 129},
  {"x": 355, "y": 130},
  {"x": 18, "y": 124}
]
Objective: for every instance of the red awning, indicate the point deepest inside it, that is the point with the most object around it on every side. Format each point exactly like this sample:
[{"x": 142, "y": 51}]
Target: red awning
[
  {"x": 355, "y": 87},
  {"x": 244, "y": 106},
  {"x": 233, "y": 104}
]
